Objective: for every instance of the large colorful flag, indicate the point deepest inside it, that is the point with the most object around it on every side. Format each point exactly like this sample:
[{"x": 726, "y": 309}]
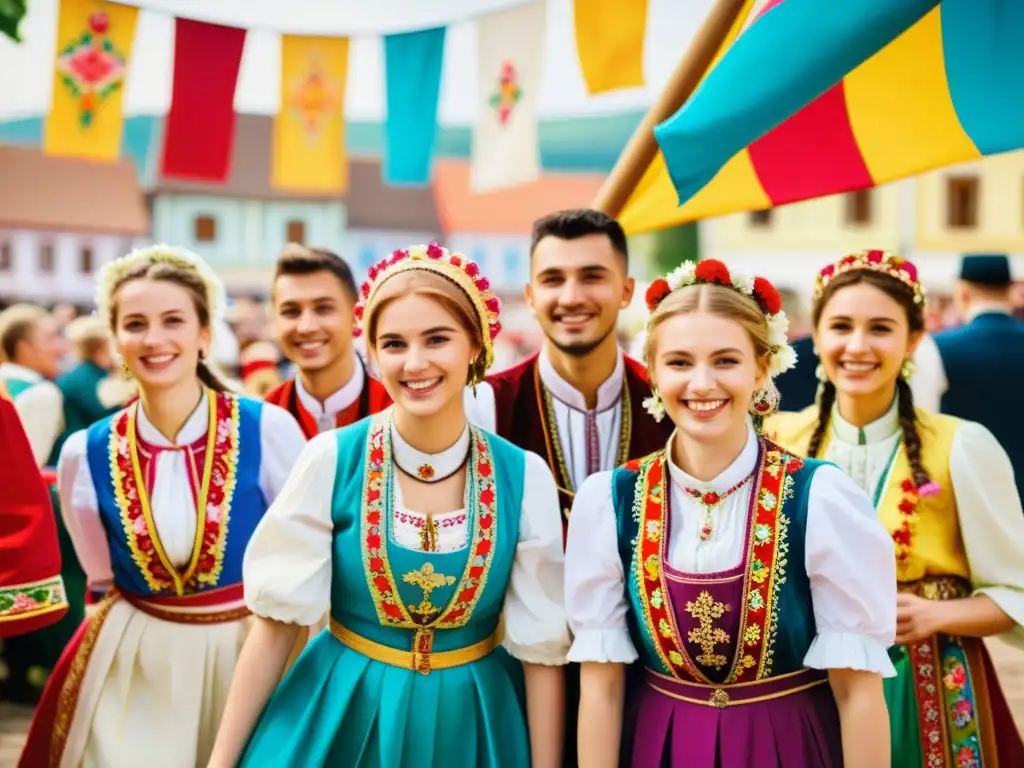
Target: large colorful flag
[
  {"x": 94, "y": 46},
  {"x": 610, "y": 43},
  {"x": 510, "y": 53},
  {"x": 871, "y": 92},
  {"x": 200, "y": 129},
  {"x": 309, "y": 130},
  {"x": 412, "y": 66}
]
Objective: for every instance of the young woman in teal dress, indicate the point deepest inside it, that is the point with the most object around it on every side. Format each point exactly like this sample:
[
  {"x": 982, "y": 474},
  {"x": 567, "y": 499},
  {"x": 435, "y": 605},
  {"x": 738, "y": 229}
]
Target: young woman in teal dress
[{"x": 431, "y": 542}]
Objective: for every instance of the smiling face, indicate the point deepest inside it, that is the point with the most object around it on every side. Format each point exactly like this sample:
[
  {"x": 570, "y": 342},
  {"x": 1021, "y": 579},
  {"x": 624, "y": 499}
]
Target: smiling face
[
  {"x": 158, "y": 332},
  {"x": 313, "y": 319},
  {"x": 424, "y": 354},
  {"x": 576, "y": 290},
  {"x": 707, "y": 370},
  {"x": 863, "y": 335}
]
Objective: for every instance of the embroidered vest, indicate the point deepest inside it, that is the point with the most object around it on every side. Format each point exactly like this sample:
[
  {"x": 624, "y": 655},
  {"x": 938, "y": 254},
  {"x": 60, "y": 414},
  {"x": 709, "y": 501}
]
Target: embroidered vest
[
  {"x": 925, "y": 531},
  {"x": 521, "y": 418},
  {"x": 234, "y": 503},
  {"x": 372, "y": 399},
  {"x": 749, "y": 623},
  {"x": 386, "y": 592}
]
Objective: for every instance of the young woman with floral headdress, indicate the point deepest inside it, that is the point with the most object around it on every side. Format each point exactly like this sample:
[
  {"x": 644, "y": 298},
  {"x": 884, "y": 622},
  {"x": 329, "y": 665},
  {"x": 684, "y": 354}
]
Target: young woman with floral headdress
[
  {"x": 160, "y": 500},
  {"x": 945, "y": 490},
  {"x": 756, "y": 588},
  {"x": 424, "y": 535}
]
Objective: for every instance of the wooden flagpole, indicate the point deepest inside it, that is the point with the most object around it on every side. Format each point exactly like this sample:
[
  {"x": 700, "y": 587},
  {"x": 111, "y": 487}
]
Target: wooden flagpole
[{"x": 642, "y": 148}]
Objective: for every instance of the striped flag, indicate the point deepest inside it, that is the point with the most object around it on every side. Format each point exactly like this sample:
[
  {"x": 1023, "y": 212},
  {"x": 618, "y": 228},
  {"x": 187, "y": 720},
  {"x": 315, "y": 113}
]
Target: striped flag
[{"x": 871, "y": 92}]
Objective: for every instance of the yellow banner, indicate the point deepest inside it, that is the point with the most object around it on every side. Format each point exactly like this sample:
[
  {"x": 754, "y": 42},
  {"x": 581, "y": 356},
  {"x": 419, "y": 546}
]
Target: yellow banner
[
  {"x": 94, "y": 46},
  {"x": 610, "y": 42},
  {"x": 309, "y": 130}
]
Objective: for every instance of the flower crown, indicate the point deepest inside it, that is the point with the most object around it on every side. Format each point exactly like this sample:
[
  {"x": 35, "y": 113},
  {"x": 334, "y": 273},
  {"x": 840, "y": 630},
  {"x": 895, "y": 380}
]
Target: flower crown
[
  {"x": 464, "y": 272},
  {"x": 782, "y": 356},
  {"x": 875, "y": 261},
  {"x": 113, "y": 272}
]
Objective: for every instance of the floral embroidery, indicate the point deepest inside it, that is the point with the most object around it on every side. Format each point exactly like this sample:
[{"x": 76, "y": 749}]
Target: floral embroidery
[
  {"x": 220, "y": 470},
  {"x": 766, "y": 572},
  {"x": 375, "y": 505},
  {"x": 91, "y": 68},
  {"x": 22, "y": 601},
  {"x": 508, "y": 94},
  {"x": 930, "y": 715},
  {"x": 903, "y": 534},
  {"x": 764, "y": 579},
  {"x": 958, "y": 690}
]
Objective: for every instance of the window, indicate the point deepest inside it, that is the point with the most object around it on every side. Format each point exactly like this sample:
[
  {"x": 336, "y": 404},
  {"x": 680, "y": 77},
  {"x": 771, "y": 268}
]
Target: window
[
  {"x": 6, "y": 257},
  {"x": 858, "y": 208},
  {"x": 46, "y": 259},
  {"x": 761, "y": 219},
  {"x": 85, "y": 261},
  {"x": 205, "y": 229},
  {"x": 962, "y": 202},
  {"x": 295, "y": 231}
]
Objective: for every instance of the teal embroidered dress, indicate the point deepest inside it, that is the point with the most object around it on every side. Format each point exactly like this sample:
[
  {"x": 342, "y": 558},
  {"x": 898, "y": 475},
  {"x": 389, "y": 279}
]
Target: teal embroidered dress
[{"x": 341, "y": 537}]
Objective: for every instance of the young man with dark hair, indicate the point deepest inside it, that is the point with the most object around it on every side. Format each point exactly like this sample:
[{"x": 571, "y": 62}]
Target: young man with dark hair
[
  {"x": 578, "y": 403},
  {"x": 313, "y": 297}
]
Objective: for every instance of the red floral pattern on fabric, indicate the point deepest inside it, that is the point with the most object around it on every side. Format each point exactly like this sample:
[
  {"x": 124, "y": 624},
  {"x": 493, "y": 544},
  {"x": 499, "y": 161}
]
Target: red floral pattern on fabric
[{"x": 219, "y": 477}]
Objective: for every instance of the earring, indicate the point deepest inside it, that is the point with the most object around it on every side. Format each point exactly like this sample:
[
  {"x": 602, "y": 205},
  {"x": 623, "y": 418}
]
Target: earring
[
  {"x": 124, "y": 367},
  {"x": 654, "y": 405},
  {"x": 764, "y": 401},
  {"x": 908, "y": 369},
  {"x": 820, "y": 373}
]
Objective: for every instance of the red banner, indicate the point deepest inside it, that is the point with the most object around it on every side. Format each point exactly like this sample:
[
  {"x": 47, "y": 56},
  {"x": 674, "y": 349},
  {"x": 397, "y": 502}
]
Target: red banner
[{"x": 200, "y": 127}]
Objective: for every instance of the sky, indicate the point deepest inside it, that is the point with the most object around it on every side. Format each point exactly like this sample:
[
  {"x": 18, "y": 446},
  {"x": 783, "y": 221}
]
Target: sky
[{"x": 670, "y": 27}]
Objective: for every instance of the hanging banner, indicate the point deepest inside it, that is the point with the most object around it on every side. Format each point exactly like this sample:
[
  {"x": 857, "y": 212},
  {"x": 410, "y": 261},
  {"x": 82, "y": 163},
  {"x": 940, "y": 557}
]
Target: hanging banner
[
  {"x": 309, "y": 130},
  {"x": 199, "y": 131},
  {"x": 94, "y": 46},
  {"x": 610, "y": 43},
  {"x": 510, "y": 53},
  {"x": 412, "y": 64}
]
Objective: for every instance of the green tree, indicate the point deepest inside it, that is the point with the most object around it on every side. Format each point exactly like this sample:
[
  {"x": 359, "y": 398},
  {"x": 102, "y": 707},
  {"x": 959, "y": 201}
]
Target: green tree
[
  {"x": 672, "y": 246},
  {"x": 11, "y": 14}
]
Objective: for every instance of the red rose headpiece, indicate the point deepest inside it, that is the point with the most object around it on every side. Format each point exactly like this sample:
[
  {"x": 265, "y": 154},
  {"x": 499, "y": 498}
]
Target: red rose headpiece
[{"x": 714, "y": 272}]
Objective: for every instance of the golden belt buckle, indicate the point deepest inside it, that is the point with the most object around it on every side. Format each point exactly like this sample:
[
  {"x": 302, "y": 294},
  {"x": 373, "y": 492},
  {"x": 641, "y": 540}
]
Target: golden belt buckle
[
  {"x": 719, "y": 699},
  {"x": 422, "y": 643}
]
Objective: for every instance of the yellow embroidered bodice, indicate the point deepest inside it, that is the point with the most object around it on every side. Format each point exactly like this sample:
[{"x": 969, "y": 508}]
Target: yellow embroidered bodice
[{"x": 925, "y": 531}]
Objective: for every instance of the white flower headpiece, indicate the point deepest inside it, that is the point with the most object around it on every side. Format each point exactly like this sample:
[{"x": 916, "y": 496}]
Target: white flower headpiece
[
  {"x": 782, "y": 356},
  {"x": 112, "y": 273}
]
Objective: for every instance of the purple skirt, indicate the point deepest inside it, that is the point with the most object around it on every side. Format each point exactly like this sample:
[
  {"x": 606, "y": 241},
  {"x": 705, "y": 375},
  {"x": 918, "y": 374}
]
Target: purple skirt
[{"x": 789, "y": 721}]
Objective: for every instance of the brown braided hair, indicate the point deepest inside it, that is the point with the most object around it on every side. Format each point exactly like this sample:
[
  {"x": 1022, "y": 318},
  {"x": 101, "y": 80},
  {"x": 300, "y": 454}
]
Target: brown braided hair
[{"x": 904, "y": 295}]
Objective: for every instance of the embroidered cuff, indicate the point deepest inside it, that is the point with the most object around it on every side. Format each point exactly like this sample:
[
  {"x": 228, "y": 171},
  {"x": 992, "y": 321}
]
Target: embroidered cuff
[
  {"x": 849, "y": 650},
  {"x": 550, "y": 653},
  {"x": 603, "y": 646}
]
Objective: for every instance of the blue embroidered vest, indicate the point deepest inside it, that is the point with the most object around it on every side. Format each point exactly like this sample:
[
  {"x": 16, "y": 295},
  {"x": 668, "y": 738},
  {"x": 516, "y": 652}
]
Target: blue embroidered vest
[
  {"x": 235, "y": 502},
  {"x": 386, "y": 592},
  {"x": 751, "y": 622}
]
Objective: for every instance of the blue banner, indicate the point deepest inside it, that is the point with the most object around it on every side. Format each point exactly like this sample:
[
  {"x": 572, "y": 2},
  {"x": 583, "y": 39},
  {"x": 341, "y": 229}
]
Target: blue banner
[{"x": 412, "y": 66}]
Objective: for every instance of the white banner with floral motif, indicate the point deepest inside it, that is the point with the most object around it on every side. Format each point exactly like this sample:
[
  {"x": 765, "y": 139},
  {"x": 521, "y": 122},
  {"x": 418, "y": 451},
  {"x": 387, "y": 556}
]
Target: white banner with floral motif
[{"x": 510, "y": 52}]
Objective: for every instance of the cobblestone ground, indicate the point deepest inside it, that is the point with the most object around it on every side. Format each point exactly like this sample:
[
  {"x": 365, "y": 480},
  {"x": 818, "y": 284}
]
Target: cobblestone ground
[{"x": 1009, "y": 663}]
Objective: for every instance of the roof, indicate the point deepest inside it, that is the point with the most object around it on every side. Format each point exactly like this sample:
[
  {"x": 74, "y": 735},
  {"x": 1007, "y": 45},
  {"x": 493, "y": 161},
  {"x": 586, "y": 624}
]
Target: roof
[
  {"x": 506, "y": 211},
  {"x": 372, "y": 204},
  {"x": 39, "y": 191}
]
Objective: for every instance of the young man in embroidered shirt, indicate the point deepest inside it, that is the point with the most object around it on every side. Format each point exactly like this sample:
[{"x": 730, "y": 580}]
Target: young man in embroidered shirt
[
  {"x": 313, "y": 296},
  {"x": 579, "y": 402}
]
